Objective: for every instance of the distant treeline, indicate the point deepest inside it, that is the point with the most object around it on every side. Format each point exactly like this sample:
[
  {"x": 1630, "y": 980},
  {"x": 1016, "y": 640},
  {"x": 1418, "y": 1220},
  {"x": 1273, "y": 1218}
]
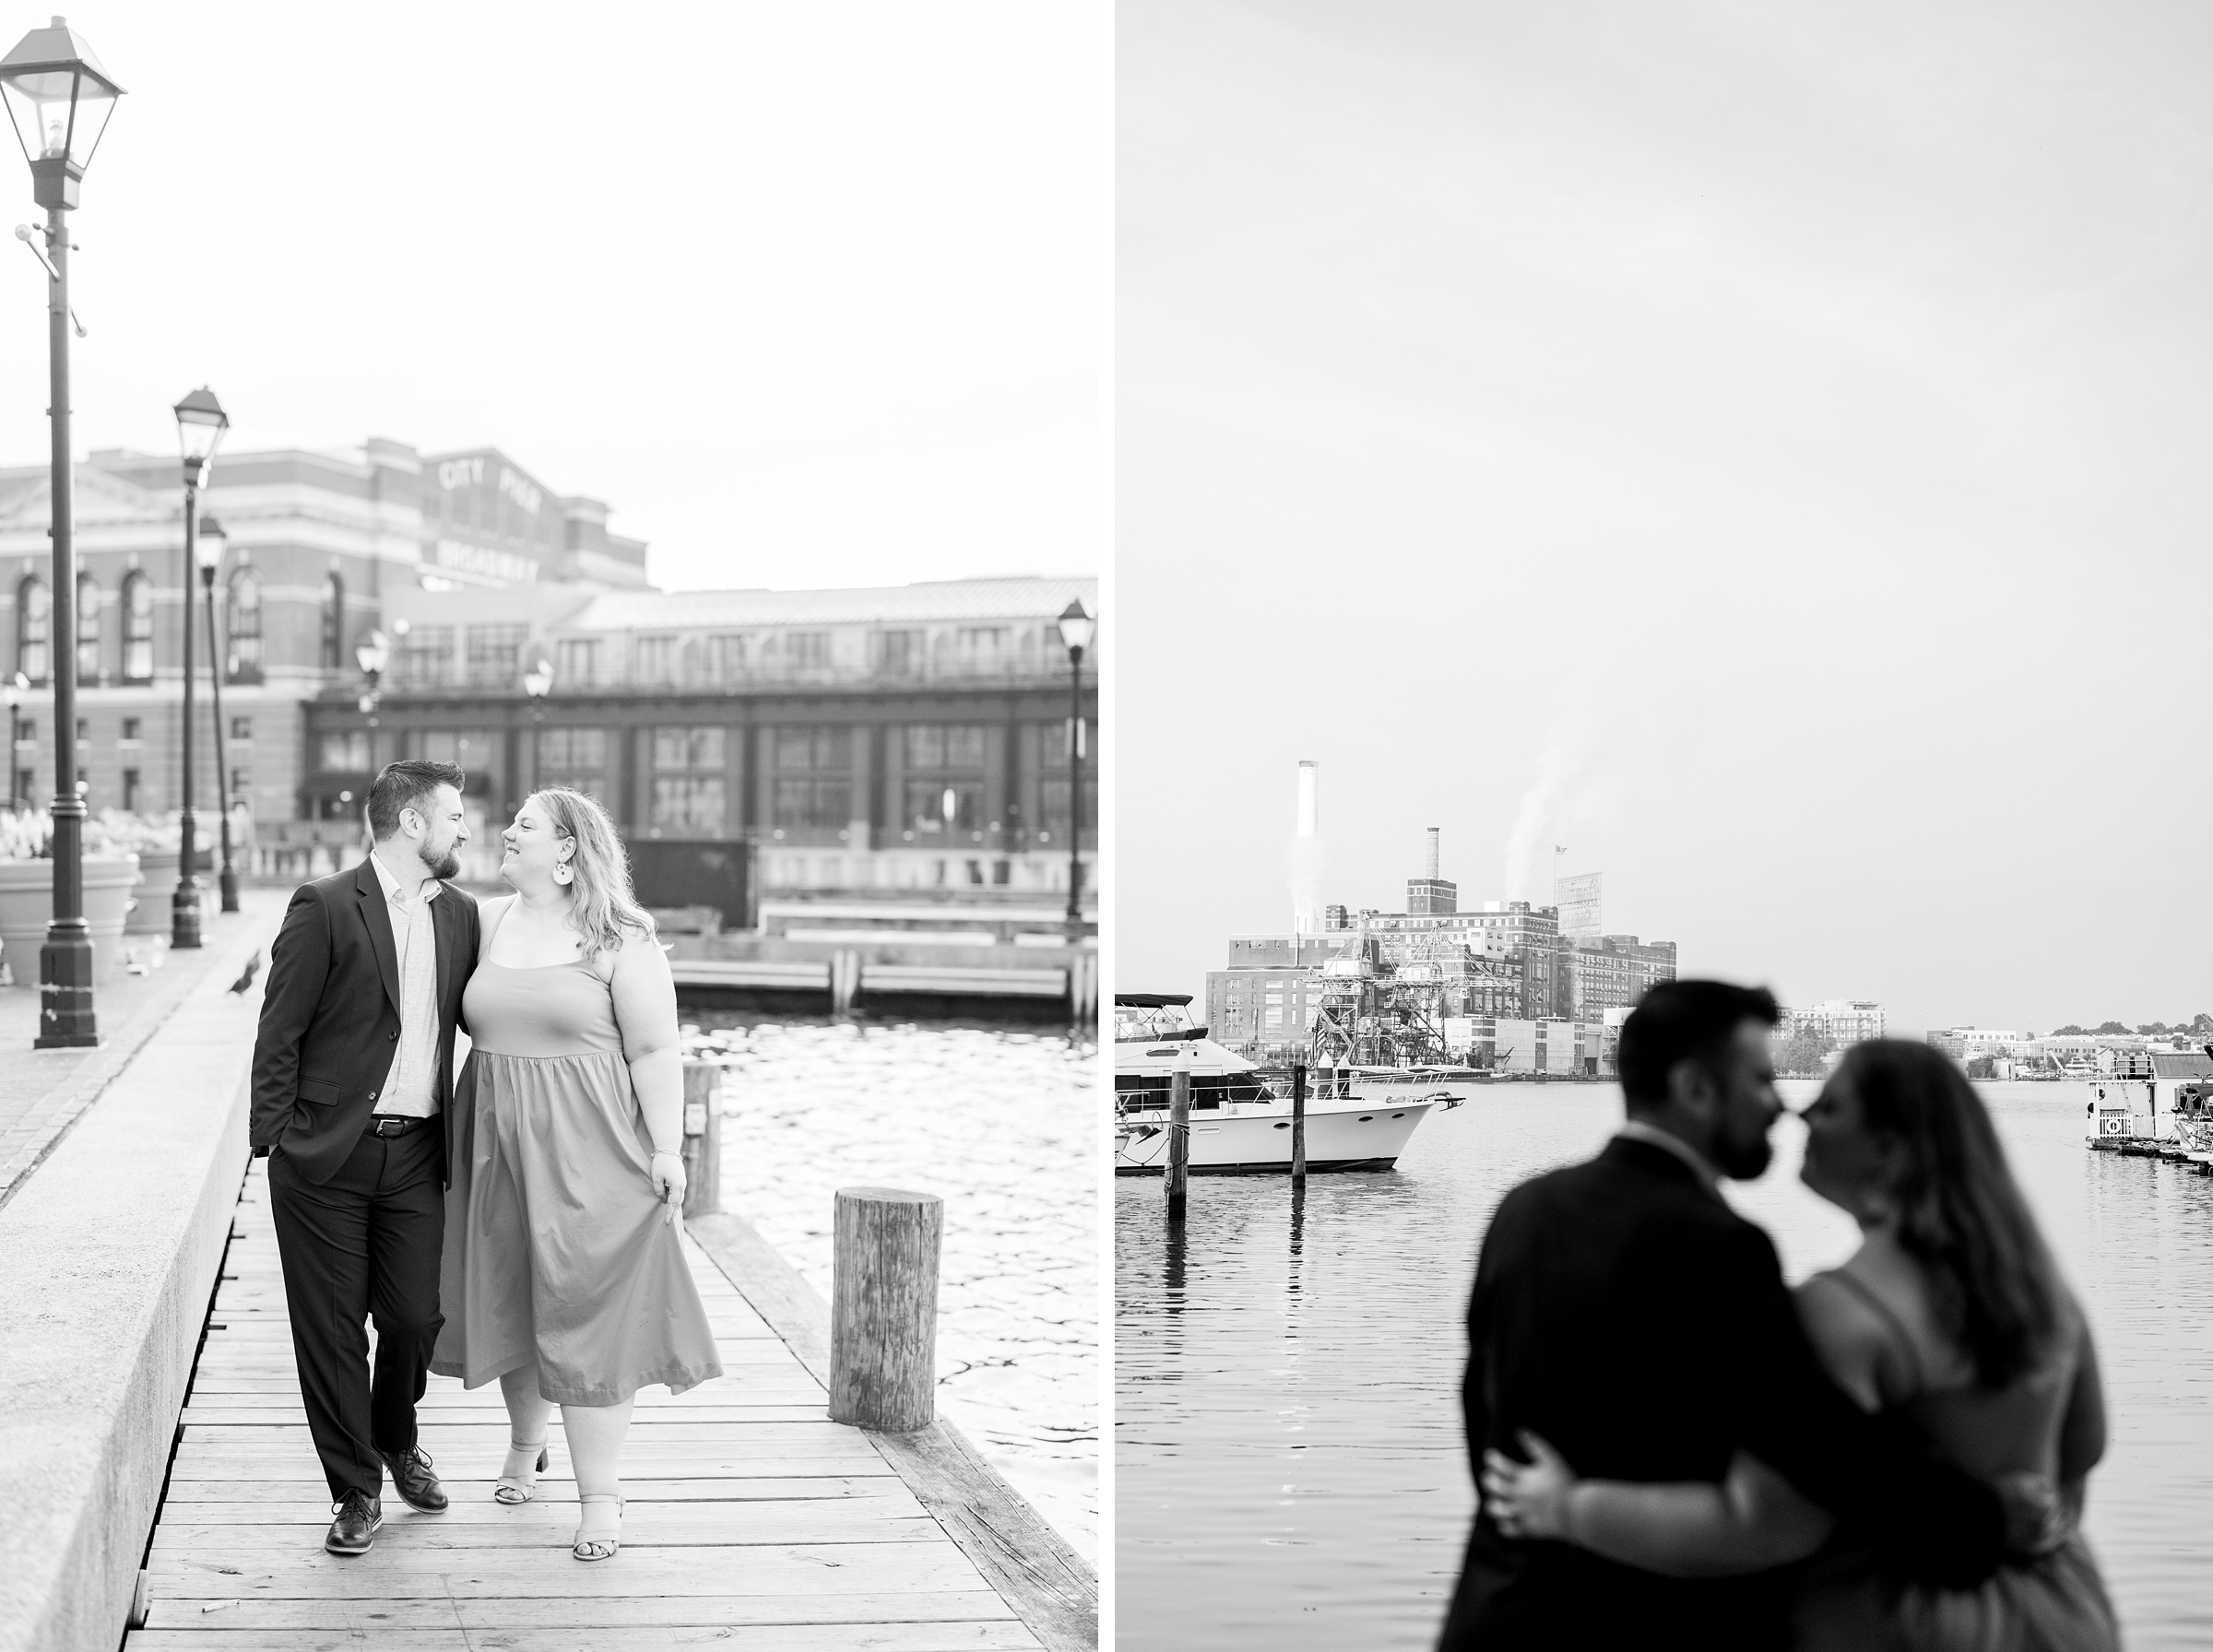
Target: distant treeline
[{"x": 2198, "y": 1026}]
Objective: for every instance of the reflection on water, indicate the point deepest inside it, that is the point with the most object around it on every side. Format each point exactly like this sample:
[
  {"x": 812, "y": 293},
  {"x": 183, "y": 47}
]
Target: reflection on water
[
  {"x": 1000, "y": 1123},
  {"x": 1290, "y": 1470}
]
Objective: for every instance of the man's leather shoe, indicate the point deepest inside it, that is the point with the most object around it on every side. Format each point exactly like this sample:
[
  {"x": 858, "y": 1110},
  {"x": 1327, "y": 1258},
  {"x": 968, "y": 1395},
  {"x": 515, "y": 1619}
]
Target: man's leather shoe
[
  {"x": 412, "y": 1478},
  {"x": 355, "y": 1529}
]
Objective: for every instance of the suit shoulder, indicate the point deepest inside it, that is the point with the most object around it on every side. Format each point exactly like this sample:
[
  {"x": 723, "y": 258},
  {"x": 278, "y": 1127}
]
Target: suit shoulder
[{"x": 331, "y": 887}]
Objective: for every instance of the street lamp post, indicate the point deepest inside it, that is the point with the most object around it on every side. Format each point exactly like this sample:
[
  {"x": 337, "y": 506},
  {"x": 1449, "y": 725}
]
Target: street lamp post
[
  {"x": 200, "y": 426},
  {"x": 210, "y": 553},
  {"x": 59, "y": 99},
  {"x": 538, "y": 682},
  {"x": 371, "y": 653},
  {"x": 1076, "y": 629}
]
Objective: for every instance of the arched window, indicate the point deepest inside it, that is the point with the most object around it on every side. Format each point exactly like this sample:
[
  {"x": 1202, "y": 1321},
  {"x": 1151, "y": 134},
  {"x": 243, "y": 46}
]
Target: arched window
[
  {"x": 137, "y": 629},
  {"x": 87, "y": 629},
  {"x": 334, "y": 624},
  {"x": 245, "y": 626},
  {"x": 34, "y": 613}
]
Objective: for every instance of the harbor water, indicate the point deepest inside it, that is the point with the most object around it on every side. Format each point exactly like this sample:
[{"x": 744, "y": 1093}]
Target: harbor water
[
  {"x": 1289, "y": 1461},
  {"x": 999, "y": 1121}
]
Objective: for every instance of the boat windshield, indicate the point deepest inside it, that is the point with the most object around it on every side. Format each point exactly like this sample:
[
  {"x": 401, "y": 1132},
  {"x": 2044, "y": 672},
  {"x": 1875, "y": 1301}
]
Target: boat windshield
[{"x": 1142, "y": 1023}]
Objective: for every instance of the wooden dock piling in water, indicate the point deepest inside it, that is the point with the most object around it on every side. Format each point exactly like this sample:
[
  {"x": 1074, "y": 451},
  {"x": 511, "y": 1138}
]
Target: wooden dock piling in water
[
  {"x": 883, "y": 1308},
  {"x": 703, "y": 1138},
  {"x": 1298, "y": 1124},
  {"x": 1179, "y": 1137}
]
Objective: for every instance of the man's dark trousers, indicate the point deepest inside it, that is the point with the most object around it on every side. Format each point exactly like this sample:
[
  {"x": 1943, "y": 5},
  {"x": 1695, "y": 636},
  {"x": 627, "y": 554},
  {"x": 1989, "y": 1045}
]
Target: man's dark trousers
[{"x": 364, "y": 1245}]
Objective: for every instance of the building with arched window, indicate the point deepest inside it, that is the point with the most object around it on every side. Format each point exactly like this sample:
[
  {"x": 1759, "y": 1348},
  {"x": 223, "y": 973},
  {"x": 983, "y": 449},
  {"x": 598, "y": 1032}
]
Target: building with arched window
[
  {"x": 137, "y": 627},
  {"x": 241, "y": 615},
  {"x": 88, "y": 630},
  {"x": 34, "y": 616},
  {"x": 318, "y": 542},
  {"x": 333, "y": 651}
]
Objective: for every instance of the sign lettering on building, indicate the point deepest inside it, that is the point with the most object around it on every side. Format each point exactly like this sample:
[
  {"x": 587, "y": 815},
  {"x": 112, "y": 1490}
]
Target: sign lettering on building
[{"x": 483, "y": 563}]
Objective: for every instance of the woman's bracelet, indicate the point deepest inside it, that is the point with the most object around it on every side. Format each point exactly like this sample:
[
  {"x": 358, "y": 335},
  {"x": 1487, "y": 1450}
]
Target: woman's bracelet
[{"x": 662, "y": 1153}]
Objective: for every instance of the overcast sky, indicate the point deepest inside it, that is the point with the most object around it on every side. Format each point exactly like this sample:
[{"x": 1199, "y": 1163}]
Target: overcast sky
[
  {"x": 812, "y": 295},
  {"x": 1763, "y": 449}
]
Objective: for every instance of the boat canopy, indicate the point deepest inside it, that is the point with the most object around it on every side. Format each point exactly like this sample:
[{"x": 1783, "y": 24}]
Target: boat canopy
[{"x": 1150, "y": 1000}]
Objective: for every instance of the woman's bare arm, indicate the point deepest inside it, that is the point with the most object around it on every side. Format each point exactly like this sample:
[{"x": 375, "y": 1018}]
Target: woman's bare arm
[
  {"x": 2082, "y": 1433},
  {"x": 645, "y": 997},
  {"x": 1687, "y": 1529}
]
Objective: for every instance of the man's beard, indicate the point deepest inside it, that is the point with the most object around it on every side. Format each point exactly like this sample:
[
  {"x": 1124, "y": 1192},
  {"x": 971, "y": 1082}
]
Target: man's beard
[{"x": 445, "y": 864}]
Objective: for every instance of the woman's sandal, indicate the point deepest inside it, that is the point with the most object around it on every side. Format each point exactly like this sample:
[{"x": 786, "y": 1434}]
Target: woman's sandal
[
  {"x": 600, "y": 1543},
  {"x": 517, "y": 1486}
]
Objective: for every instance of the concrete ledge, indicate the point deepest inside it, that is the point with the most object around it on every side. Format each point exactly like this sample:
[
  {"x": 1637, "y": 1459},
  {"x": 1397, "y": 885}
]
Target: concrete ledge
[
  {"x": 108, "y": 1259},
  {"x": 1049, "y": 1586}
]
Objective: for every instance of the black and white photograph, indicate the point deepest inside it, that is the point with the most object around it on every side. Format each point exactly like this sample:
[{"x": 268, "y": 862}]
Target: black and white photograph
[
  {"x": 554, "y": 583},
  {"x": 1659, "y": 955}
]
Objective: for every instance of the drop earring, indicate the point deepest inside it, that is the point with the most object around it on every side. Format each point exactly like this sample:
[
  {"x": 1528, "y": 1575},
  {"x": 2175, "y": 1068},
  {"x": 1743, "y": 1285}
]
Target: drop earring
[{"x": 561, "y": 873}]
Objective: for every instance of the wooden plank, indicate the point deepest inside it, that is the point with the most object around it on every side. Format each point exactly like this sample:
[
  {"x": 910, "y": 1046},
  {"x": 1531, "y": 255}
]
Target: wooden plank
[
  {"x": 395, "y": 1567},
  {"x": 863, "y": 1608},
  {"x": 629, "y": 1637},
  {"x": 752, "y": 1521},
  {"x": 477, "y": 1507},
  {"x": 279, "y": 1494},
  {"x": 1052, "y": 1587},
  {"x": 552, "y": 1522}
]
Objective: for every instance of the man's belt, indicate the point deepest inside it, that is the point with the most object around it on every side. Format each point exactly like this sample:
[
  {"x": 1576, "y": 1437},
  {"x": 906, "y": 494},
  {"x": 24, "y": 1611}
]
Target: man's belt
[{"x": 394, "y": 1124}]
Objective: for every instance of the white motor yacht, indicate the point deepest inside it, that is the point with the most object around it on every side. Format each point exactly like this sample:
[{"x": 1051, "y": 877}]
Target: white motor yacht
[{"x": 1241, "y": 1122}]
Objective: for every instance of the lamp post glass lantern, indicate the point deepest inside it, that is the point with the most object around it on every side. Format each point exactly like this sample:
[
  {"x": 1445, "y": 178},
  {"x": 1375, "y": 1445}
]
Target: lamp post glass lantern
[
  {"x": 538, "y": 682},
  {"x": 200, "y": 426},
  {"x": 370, "y": 653},
  {"x": 212, "y": 542},
  {"x": 58, "y": 101},
  {"x": 1076, "y": 631}
]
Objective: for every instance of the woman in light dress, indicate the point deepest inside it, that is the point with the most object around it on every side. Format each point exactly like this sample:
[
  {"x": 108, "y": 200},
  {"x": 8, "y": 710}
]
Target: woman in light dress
[
  {"x": 1951, "y": 1315},
  {"x": 564, "y": 1274}
]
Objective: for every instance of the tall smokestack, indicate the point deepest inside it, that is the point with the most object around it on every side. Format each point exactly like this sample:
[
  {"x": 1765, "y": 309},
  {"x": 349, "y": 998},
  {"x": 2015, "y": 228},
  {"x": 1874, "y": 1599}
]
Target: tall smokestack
[
  {"x": 1306, "y": 855},
  {"x": 1430, "y": 895},
  {"x": 1431, "y": 873}
]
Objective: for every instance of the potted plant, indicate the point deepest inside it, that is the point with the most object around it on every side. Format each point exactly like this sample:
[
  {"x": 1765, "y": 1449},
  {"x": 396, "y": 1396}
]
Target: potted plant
[
  {"x": 27, "y": 892},
  {"x": 154, "y": 841}
]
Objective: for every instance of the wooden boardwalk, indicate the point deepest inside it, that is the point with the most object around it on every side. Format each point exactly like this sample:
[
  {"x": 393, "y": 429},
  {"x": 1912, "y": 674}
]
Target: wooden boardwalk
[{"x": 752, "y": 1521}]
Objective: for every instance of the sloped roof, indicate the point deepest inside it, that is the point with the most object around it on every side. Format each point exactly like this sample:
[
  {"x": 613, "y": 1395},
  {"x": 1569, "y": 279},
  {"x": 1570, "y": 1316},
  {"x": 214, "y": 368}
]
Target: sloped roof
[
  {"x": 1013, "y": 598},
  {"x": 2180, "y": 1064}
]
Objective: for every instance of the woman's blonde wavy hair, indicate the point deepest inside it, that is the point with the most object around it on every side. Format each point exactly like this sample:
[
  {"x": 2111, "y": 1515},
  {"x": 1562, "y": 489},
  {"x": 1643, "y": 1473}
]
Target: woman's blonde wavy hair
[{"x": 601, "y": 905}]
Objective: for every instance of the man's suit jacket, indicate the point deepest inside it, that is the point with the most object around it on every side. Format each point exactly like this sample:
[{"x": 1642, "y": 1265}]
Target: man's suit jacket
[
  {"x": 331, "y": 1017},
  {"x": 1625, "y": 1313}
]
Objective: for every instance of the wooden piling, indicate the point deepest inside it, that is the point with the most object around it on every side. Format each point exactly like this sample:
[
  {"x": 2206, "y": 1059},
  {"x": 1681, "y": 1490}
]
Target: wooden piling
[
  {"x": 1298, "y": 1124},
  {"x": 883, "y": 1308},
  {"x": 703, "y": 1138},
  {"x": 1179, "y": 1137},
  {"x": 845, "y": 980}
]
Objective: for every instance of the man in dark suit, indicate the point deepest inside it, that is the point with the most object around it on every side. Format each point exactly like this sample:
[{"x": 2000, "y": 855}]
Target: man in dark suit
[
  {"x": 1625, "y": 1314},
  {"x": 353, "y": 1102}
]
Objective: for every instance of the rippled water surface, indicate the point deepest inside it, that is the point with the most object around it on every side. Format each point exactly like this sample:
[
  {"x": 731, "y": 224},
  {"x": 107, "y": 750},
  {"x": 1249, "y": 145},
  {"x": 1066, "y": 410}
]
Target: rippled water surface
[
  {"x": 999, "y": 1121},
  {"x": 1288, "y": 1454}
]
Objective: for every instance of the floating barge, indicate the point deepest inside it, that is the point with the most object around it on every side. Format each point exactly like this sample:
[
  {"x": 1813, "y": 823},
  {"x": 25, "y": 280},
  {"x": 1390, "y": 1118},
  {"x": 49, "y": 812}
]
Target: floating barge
[{"x": 2156, "y": 1105}]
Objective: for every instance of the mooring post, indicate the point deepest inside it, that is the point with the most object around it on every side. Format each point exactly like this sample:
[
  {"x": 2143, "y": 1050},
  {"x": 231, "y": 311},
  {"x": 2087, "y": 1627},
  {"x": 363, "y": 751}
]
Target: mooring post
[
  {"x": 1298, "y": 1124},
  {"x": 703, "y": 1138},
  {"x": 1179, "y": 1134},
  {"x": 845, "y": 980},
  {"x": 883, "y": 1308}
]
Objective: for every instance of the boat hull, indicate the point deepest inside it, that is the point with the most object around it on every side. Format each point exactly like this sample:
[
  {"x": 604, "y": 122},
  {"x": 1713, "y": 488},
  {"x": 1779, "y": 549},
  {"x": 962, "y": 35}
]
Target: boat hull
[{"x": 1368, "y": 1137}]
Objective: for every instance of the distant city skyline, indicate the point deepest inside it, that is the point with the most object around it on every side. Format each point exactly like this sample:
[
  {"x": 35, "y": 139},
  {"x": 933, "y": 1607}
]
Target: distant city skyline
[{"x": 1762, "y": 449}]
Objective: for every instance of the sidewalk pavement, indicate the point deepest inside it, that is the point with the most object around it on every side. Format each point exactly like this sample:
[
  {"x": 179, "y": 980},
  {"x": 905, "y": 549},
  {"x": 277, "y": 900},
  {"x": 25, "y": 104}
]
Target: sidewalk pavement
[{"x": 42, "y": 1092}]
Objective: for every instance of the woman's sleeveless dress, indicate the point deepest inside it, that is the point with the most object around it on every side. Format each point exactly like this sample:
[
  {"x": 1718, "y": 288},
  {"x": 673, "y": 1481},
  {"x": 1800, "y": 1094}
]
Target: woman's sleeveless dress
[
  {"x": 2056, "y": 1602},
  {"x": 556, "y": 1249}
]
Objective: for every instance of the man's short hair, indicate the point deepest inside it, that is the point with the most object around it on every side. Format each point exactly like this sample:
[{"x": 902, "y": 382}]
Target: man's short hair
[
  {"x": 405, "y": 785},
  {"x": 1684, "y": 1020}
]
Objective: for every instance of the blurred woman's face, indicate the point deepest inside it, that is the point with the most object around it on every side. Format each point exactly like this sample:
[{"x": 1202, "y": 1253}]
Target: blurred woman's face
[{"x": 1846, "y": 1163}]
